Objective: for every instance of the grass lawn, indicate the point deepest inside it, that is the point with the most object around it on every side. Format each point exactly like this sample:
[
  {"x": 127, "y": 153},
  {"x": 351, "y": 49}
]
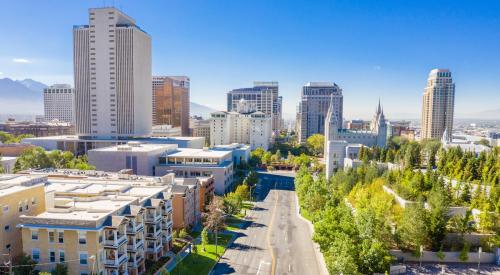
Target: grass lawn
[
  {"x": 201, "y": 262},
  {"x": 305, "y": 214}
]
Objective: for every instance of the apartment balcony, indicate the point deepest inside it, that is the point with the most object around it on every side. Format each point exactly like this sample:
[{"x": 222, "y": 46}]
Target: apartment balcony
[
  {"x": 153, "y": 235},
  {"x": 135, "y": 246},
  {"x": 134, "y": 262},
  {"x": 167, "y": 209},
  {"x": 152, "y": 218},
  {"x": 166, "y": 225},
  {"x": 112, "y": 262},
  {"x": 153, "y": 249},
  {"x": 115, "y": 241},
  {"x": 134, "y": 229},
  {"x": 166, "y": 238}
]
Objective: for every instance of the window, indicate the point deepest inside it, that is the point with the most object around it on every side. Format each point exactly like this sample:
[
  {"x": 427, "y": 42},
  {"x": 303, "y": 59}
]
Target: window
[
  {"x": 82, "y": 237},
  {"x": 52, "y": 256},
  {"x": 62, "y": 257},
  {"x": 8, "y": 246},
  {"x": 5, "y": 208},
  {"x": 35, "y": 254},
  {"x": 20, "y": 206},
  {"x": 60, "y": 236},
  {"x": 34, "y": 235},
  {"x": 7, "y": 228},
  {"x": 51, "y": 236},
  {"x": 83, "y": 258}
]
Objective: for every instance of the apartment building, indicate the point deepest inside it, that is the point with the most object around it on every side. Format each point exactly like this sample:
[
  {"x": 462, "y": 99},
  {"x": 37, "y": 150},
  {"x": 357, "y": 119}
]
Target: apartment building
[
  {"x": 186, "y": 202},
  {"x": 58, "y": 103},
  {"x": 199, "y": 128},
  {"x": 19, "y": 195},
  {"x": 98, "y": 222},
  {"x": 244, "y": 125},
  {"x": 263, "y": 97},
  {"x": 207, "y": 189}
]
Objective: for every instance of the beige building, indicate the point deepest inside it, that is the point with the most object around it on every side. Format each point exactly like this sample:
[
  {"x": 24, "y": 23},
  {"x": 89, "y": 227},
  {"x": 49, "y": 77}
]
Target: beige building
[
  {"x": 171, "y": 102},
  {"x": 186, "y": 203},
  {"x": 19, "y": 195},
  {"x": 200, "y": 128},
  {"x": 438, "y": 105},
  {"x": 106, "y": 223}
]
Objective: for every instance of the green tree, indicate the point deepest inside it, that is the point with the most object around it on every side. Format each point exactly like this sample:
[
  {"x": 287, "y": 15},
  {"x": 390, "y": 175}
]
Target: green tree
[
  {"x": 204, "y": 238},
  {"x": 439, "y": 204},
  {"x": 316, "y": 144},
  {"x": 183, "y": 234},
  {"x": 60, "y": 269},
  {"x": 232, "y": 203},
  {"x": 412, "y": 230},
  {"x": 374, "y": 257},
  {"x": 243, "y": 191},
  {"x": 24, "y": 265},
  {"x": 214, "y": 218},
  {"x": 341, "y": 256}
]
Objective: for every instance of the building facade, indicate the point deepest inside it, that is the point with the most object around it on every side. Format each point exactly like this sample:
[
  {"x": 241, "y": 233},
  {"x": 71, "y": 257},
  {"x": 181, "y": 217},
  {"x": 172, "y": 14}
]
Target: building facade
[
  {"x": 171, "y": 101},
  {"x": 200, "y": 128},
  {"x": 19, "y": 195},
  {"x": 262, "y": 97},
  {"x": 438, "y": 104},
  {"x": 100, "y": 223},
  {"x": 244, "y": 125},
  {"x": 38, "y": 129},
  {"x": 314, "y": 105},
  {"x": 337, "y": 139},
  {"x": 112, "y": 74},
  {"x": 58, "y": 103}
]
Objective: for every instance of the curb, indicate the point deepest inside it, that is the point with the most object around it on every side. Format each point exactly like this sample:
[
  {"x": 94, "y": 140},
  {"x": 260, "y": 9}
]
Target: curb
[
  {"x": 319, "y": 256},
  {"x": 210, "y": 272}
]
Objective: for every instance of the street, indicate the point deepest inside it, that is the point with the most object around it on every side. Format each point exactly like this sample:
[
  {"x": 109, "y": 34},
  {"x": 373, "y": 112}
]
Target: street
[{"x": 276, "y": 236}]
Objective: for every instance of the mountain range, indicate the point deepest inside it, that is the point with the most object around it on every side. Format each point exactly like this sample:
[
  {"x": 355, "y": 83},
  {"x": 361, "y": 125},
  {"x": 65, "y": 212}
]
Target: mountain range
[{"x": 26, "y": 97}]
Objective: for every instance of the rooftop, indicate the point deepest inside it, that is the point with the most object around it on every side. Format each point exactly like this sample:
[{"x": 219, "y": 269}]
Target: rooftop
[
  {"x": 200, "y": 153},
  {"x": 12, "y": 183}
]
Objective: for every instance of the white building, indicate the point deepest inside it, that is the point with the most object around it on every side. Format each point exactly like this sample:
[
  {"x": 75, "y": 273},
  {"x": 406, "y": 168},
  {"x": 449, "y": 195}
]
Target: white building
[
  {"x": 245, "y": 126},
  {"x": 7, "y": 164},
  {"x": 112, "y": 72},
  {"x": 438, "y": 104},
  {"x": 337, "y": 139},
  {"x": 160, "y": 159},
  {"x": 166, "y": 131},
  {"x": 58, "y": 103},
  {"x": 262, "y": 97}
]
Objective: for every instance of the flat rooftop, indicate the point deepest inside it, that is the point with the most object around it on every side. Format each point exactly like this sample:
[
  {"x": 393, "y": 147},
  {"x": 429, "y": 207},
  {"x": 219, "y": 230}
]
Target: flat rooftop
[
  {"x": 12, "y": 183},
  {"x": 136, "y": 147},
  {"x": 154, "y": 140},
  {"x": 200, "y": 153}
]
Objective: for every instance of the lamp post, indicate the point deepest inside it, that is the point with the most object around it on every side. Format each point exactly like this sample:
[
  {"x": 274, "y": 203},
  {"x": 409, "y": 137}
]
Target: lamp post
[
  {"x": 421, "y": 252},
  {"x": 93, "y": 258},
  {"x": 480, "y": 250}
]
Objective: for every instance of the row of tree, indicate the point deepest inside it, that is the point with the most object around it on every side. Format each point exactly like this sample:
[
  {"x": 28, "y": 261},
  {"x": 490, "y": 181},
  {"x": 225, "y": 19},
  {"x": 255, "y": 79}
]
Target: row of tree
[
  {"x": 38, "y": 158},
  {"x": 7, "y": 138}
]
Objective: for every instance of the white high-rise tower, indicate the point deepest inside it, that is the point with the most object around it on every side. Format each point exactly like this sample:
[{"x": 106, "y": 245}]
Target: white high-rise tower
[
  {"x": 112, "y": 69},
  {"x": 438, "y": 105}
]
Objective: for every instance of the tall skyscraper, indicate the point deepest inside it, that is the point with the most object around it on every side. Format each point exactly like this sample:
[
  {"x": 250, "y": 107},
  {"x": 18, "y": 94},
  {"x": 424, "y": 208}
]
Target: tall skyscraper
[
  {"x": 438, "y": 105},
  {"x": 58, "y": 103},
  {"x": 112, "y": 72},
  {"x": 313, "y": 108},
  {"x": 262, "y": 97},
  {"x": 171, "y": 102}
]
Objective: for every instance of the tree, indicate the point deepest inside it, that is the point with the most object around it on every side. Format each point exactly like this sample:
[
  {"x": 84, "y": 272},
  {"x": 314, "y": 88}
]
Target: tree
[
  {"x": 341, "y": 256},
  {"x": 412, "y": 231},
  {"x": 243, "y": 191},
  {"x": 374, "y": 257},
  {"x": 464, "y": 253},
  {"x": 60, "y": 269},
  {"x": 439, "y": 204},
  {"x": 33, "y": 158},
  {"x": 183, "y": 234},
  {"x": 214, "y": 218},
  {"x": 232, "y": 203},
  {"x": 204, "y": 238},
  {"x": 24, "y": 265},
  {"x": 316, "y": 144}
]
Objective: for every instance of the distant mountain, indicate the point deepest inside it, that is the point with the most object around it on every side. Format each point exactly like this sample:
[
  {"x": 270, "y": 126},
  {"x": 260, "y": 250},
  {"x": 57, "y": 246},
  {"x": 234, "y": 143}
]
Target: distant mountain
[
  {"x": 196, "y": 109},
  {"x": 21, "y": 96},
  {"x": 488, "y": 114},
  {"x": 32, "y": 84}
]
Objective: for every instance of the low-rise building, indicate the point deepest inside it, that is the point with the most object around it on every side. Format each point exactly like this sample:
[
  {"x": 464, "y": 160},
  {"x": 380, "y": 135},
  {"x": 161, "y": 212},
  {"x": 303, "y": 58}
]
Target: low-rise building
[
  {"x": 98, "y": 222},
  {"x": 185, "y": 202},
  {"x": 19, "y": 195},
  {"x": 166, "y": 130},
  {"x": 207, "y": 190},
  {"x": 43, "y": 129},
  {"x": 13, "y": 149},
  {"x": 199, "y": 127},
  {"x": 79, "y": 146},
  {"x": 7, "y": 164}
]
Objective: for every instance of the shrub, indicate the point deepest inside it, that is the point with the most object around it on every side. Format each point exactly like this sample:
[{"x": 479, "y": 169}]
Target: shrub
[{"x": 464, "y": 253}]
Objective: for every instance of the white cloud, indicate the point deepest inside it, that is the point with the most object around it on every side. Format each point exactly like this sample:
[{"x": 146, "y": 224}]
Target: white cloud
[
  {"x": 20, "y": 60},
  {"x": 1, "y": 73}
]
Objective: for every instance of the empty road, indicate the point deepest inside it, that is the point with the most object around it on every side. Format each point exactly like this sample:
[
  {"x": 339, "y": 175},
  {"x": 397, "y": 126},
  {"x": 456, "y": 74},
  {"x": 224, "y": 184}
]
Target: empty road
[{"x": 276, "y": 236}]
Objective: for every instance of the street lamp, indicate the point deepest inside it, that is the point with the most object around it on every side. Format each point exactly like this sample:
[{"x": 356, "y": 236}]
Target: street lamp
[
  {"x": 93, "y": 258},
  {"x": 421, "y": 252},
  {"x": 480, "y": 250}
]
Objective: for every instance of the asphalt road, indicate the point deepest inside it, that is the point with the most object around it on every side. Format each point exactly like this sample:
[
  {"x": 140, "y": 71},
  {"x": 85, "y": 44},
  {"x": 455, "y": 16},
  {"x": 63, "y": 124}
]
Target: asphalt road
[{"x": 275, "y": 235}]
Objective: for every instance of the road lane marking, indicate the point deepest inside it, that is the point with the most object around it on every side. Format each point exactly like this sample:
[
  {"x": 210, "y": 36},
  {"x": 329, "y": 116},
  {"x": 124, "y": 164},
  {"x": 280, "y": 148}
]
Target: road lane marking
[
  {"x": 260, "y": 264},
  {"x": 273, "y": 268}
]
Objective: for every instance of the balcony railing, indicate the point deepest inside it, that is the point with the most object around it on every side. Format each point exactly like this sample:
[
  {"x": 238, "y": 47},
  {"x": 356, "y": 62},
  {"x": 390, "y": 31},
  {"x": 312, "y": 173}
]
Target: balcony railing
[
  {"x": 131, "y": 229},
  {"x": 122, "y": 257},
  {"x": 137, "y": 245},
  {"x": 115, "y": 243},
  {"x": 152, "y": 218}
]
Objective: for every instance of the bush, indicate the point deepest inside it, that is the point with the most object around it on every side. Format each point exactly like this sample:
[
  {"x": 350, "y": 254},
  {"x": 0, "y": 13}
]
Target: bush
[{"x": 464, "y": 253}]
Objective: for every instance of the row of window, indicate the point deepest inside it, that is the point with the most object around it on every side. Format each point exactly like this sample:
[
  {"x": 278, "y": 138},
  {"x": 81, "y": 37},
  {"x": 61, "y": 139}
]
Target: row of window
[{"x": 82, "y": 236}]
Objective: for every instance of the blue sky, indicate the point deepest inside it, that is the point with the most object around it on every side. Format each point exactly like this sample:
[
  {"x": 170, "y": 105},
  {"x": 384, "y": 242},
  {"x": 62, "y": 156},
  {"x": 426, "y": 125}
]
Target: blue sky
[{"x": 370, "y": 48}]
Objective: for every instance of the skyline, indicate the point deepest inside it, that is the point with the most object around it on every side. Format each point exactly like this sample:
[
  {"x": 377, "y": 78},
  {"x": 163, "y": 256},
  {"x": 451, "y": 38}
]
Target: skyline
[{"x": 230, "y": 52}]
